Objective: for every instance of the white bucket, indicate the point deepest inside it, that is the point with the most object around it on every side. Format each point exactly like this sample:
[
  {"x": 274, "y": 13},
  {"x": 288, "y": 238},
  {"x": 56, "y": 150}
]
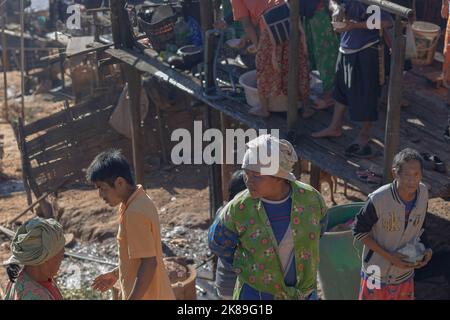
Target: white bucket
[
  {"x": 426, "y": 35},
  {"x": 248, "y": 82}
]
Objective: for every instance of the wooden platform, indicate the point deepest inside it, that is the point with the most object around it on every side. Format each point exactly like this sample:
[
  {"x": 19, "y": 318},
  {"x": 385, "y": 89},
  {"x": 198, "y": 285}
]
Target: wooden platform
[{"x": 425, "y": 120}]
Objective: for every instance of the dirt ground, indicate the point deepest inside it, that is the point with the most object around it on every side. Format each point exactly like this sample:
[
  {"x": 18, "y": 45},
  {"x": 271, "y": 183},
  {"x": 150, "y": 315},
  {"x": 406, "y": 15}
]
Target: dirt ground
[{"x": 180, "y": 193}]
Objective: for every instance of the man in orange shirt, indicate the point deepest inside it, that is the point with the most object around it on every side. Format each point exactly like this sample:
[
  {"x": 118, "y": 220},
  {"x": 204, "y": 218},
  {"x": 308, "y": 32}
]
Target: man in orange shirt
[{"x": 141, "y": 270}]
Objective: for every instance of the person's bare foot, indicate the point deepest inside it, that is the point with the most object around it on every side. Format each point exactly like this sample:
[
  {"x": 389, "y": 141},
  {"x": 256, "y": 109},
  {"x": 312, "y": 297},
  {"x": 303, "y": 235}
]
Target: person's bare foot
[
  {"x": 323, "y": 103},
  {"x": 308, "y": 113},
  {"x": 259, "y": 112},
  {"x": 327, "y": 133}
]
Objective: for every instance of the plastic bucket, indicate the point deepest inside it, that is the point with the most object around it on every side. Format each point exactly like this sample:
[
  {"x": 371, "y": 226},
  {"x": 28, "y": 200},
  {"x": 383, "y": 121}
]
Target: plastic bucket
[
  {"x": 340, "y": 264},
  {"x": 248, "y": 82},
  {"x": 426, "y": 36}
]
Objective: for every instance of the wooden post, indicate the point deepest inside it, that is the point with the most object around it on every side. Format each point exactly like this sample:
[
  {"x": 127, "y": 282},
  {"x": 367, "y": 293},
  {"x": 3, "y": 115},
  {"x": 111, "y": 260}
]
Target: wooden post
[
  {"x": 392, "y": 133},
  {"x": 207, "y": 17},
  {"x": 4, "y": 64},
  {"x": 292, "y": 114},
  {"x": 215, "y": 173},
  {"x": 123, "y": 38},
  {"x": 22, "y": 60},
  {"x": 226, "y": 168},
  {"x": 114, "y": 6},
  {"x": 135, "y": 87},
  {"x": 161, "y": 135},
  {"x": 315, "y": 177},
  {"x": 120, "y": 25},
  {"x": 62, "y": 56}
]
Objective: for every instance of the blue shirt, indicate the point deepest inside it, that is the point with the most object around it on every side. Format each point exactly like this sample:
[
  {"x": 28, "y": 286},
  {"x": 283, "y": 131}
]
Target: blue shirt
[
  {"x": 409, "y": 206},
  {"x": 358, "y": 38},
  {"x": 279, "y": 214}
]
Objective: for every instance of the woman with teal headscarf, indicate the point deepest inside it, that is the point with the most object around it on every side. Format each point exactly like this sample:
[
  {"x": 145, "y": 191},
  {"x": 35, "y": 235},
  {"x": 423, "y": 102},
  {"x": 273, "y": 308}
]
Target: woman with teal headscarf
[{"x": 37, "y": 252}]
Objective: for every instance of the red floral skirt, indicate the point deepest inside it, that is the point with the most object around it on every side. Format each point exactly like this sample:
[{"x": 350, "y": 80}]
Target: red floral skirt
[
  {"x": 402, "y": 291},
  {"x": 272, "y": 68}
]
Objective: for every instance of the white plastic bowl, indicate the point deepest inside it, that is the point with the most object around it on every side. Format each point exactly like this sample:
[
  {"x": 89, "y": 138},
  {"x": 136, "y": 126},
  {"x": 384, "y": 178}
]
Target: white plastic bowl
[{"x": 248, "y": 82}]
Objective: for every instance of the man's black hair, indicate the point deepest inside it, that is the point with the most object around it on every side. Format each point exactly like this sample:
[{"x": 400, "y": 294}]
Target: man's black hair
[
  {"x": 236, "y": 184},
  {"x": 108, "y": 166},
  {"x": 404, "y": 156}
]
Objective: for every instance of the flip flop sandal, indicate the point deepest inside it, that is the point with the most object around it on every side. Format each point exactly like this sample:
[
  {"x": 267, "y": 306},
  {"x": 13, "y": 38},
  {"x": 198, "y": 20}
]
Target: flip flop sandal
[
  {"x": 373, "y": 179},
  {"x": 352, "y": 149},
  {"x": 368, "y": 172},
  {"x": 428, "y": 163},
  {"x": 439, "y": 165},
  {"x": 364, "y": 152},
  {"x": 447, "y": 134},
  {"x": 363, "y": 173},
  {"x": 362, "y": 177}
]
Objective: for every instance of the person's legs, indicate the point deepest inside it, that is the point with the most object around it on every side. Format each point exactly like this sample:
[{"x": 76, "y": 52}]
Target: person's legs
[
  {"x": 364, "y": 95},
  {"x": 335, "y": 128},
  {"x": 303, "y": 78},
  {"x": 325, "y": 101},
  {"x": 364, "y": 135},
  {"x": 267, "y": 77},
  {"x": 323, "y": 47},
  {"x": 340, "y": 95}
]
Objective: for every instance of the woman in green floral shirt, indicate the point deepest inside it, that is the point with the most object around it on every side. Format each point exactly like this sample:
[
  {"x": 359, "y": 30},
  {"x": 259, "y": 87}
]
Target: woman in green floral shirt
[{"x": 270, "y": 232}]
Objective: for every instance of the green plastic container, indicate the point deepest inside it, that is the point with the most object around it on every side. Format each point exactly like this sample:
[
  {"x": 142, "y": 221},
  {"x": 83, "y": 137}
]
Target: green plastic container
[{"x": 340, "y": 264}]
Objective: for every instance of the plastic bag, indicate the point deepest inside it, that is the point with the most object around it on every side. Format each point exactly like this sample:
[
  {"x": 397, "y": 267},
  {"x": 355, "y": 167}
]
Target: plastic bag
[
  {"x": 411, "y": 49},
  {"x": 414, "y": 250},
  {"x": 121, "y": 118}
]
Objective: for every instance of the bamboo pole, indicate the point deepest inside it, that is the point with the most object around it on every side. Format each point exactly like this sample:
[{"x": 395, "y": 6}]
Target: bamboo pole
[
  {"x": 5, "y": 64},
  {"x": 391, "y": 7},
  {"x": 293, "y": 79},
  {"x": 22, "y": 59},
  {"x": 392, "y": 133}
]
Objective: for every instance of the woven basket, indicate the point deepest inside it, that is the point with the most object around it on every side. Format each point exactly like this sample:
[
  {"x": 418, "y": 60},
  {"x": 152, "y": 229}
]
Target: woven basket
[{"x": 161, "y": 33}]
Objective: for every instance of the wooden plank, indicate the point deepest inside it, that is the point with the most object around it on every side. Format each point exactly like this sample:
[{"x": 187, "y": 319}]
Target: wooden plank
[
  {"x": 81, "y": 153},
  {"x": 59, "y": 134},
  {"x": 78, "y": 44},
  {"x": 93, "y": 105}
]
